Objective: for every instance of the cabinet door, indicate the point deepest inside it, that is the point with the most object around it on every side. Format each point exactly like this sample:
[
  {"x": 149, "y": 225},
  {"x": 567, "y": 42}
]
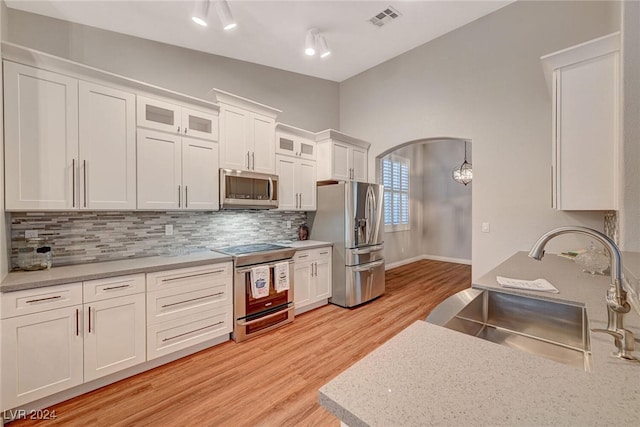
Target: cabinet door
[
  {"x": 199, "y": 124},
  {"x": 107, "y": 148},
  {"x": 306, "y": 184},
  {"x": 341, "y": 162},
  {"x": 41, "y": 354},
  {"x": 159, "y": 170},
  {"x": 160, "y": 115},
  {"x": 234, "y": 147},
  {"x": 306, "y": 149},
  {"x": 359, "y": 164},
  {"x": 263, "y": 138},
  {"x": 114, "y": 336},
  {"x": 41, "y": 139},
  {"x": 200, "y": 174},
  {"x": 587, "y": 133},
  {"x": 287, "y": 194},
  {"x": 302, "y": 284},
  {"x": 322, "y": 275}
]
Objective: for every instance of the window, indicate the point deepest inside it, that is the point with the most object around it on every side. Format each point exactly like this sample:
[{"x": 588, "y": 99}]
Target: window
[{"x": 395, "y": 178}]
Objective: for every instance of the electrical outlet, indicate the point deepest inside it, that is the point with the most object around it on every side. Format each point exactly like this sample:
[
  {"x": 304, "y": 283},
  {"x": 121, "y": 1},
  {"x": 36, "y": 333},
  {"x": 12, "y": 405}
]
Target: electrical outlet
[
  {"x": 486, "y": 227},
  {"x": 168, "y": 230},
  {"x": 30, "y": 234},
  {"x": 288, "y": 224}
]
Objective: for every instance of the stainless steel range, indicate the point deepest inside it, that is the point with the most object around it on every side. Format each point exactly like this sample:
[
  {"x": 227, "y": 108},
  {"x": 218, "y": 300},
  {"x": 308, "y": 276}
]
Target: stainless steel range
[{"x": 255, "y": 316}]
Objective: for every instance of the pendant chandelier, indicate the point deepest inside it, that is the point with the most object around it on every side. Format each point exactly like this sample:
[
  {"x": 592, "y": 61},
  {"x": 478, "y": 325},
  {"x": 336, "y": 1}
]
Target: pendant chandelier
[{"x": 463, "y": 173}]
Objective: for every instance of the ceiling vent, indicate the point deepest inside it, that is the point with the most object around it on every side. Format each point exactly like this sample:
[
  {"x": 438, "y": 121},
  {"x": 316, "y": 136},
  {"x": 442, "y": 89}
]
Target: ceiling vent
[{"x": 384, "y": 17}]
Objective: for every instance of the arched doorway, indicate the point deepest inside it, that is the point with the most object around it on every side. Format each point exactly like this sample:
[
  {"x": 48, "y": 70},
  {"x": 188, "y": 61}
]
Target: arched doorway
[{"x": 439, "y": 208}]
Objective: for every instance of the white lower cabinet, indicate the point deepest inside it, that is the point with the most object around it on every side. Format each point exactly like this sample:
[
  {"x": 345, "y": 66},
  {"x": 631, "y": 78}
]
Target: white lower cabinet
[
  {"x": 54, "y": 348},
  {"x": 188, "y": 306},
  {"x": 312, "y": 278},
  {"x": 41, "y": 355}
]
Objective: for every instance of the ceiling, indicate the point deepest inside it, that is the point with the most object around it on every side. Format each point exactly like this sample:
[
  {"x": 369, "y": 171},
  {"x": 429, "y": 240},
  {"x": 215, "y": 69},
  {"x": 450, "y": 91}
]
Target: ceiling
[{"x": 272, "y": 32}]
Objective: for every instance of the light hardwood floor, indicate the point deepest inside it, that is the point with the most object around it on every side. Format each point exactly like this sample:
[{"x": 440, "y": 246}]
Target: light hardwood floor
[{"x": 272, "y": 380}]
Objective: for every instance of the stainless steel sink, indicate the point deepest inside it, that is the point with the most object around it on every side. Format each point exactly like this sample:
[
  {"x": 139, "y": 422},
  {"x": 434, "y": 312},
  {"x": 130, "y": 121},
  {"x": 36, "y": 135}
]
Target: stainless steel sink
[{"x": 553, "y": 330}]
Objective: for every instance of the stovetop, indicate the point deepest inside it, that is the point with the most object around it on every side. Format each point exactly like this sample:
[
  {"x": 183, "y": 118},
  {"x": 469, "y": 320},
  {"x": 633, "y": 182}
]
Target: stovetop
[{"x": 258, "y": 253}]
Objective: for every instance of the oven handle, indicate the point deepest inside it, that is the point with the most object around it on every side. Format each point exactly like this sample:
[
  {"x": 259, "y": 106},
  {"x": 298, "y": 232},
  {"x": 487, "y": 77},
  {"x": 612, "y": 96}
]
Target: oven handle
[
  {"x": 277, "y": 313},
  {"x": 246, "y": 269}
]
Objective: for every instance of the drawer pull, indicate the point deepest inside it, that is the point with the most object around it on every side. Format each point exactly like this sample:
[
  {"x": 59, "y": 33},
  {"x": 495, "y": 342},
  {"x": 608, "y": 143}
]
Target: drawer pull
[
  {"x": 190, "y": 332},
  {"x": 303, "y": 256},
  {"x": 77, "y": 322},
  {"x": 192, "y": 299},
  {"x": 116, "y": 287},
  {"x": 44, "y": 299},
  {"x": 324, "y": 253},
  {"x": 193, "y": 275}
]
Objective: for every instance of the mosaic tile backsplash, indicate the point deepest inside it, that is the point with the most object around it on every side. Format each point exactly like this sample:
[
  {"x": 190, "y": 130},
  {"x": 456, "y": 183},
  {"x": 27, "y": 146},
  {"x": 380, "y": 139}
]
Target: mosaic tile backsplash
[
  {"x": 611, "y": 228},
  {"x": 82, "y": 237}
]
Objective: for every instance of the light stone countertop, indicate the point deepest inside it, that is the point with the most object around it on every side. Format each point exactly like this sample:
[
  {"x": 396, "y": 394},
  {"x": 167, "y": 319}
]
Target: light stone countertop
[
  {"x": 20, "y": 280},
  {"x": 430, "y": 375}
]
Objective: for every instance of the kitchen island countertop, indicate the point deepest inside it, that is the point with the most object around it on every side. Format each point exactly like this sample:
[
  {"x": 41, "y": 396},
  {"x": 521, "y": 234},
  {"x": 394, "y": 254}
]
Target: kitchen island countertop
[{"x": 430, "y": 375}]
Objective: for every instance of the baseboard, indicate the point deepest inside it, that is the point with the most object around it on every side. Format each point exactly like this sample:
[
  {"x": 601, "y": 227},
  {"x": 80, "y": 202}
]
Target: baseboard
[
  {"x": 447, "y": 259},
  {"x": 403, "y": 262},
  {"x": 425, "y": 256}
]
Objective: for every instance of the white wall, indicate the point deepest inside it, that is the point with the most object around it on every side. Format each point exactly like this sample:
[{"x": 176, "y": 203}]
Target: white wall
[
  {"x": 447, "y": 204},
  {"x": 484, "y": 82},
  {"x": 630, "y": 204},
  {"x": 307, "y": 102}
]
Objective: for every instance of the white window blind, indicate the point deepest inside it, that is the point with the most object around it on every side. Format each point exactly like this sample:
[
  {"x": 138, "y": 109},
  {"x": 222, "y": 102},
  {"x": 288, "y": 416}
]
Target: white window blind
[{"x": 395, "y": 178}]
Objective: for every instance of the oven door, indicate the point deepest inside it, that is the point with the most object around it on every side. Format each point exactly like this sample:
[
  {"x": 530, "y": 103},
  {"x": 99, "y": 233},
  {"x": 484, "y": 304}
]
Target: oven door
[{"x": 254, "y": 316}]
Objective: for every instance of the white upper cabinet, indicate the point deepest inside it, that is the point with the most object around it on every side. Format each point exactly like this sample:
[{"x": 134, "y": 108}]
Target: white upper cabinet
[
  {"x": 296, "y": 168},
  {"x": 247, "y": 133},
  {"x": 107, "y": 148},
  {"x": 41, "y": 139},
  {"x": 69, "y": 144},
  {"x": 176, "y": 172},
  {"x": 168, "y": 117},
  {"x": 341, "y": 157},
  {"x": 585, "y": 87},
  {"x": 296, "y": 142}
]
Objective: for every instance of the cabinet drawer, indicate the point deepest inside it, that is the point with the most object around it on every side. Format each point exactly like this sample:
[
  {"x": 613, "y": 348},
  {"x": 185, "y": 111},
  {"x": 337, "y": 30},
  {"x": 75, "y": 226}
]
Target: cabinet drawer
[
  {"x": 303, "y": 256},
  {"x": 167, "y": 304},
  {"x": 188, "y": 276},
  {"x": 167, "y": 337},
  {"x": 101, "y": 289},
  {"x": 41, "y": 299}
]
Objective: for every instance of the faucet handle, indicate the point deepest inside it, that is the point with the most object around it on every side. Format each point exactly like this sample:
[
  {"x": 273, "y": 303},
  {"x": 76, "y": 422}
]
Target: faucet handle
[{"x": 617, "y": 335}]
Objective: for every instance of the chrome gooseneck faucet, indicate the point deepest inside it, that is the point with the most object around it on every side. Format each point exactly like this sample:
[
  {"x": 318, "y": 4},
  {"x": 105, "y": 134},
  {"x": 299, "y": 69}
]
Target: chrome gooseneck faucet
[{"x": 617, "y": 304}]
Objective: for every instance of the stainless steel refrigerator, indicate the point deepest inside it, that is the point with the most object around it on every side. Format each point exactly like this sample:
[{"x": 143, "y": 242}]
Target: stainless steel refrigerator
[{"x": 349, "y": 214}]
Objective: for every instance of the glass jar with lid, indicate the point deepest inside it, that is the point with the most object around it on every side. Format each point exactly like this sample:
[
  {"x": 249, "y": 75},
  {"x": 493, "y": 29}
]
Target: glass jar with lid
[{"x": 35, "y": 255}]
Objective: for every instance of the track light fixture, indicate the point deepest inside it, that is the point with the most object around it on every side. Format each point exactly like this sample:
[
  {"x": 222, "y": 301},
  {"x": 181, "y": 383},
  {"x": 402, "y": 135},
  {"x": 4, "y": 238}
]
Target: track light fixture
[
  {"x": 314, "y": 41},
  {"x": 224, "y": 13},
  {"x": 201, "y": 13}
]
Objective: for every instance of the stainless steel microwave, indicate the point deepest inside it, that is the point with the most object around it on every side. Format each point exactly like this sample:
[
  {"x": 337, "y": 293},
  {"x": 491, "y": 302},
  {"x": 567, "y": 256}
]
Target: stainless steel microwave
[{"x": 248, "y": 190}]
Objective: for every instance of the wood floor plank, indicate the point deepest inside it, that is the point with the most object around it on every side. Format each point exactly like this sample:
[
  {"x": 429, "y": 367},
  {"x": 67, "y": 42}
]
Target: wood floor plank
[{"x": 271, "y": 380}]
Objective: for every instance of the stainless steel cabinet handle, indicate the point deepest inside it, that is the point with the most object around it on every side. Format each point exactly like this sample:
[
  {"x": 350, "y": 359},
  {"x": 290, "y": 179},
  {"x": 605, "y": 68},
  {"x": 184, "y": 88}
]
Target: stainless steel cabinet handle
[
  {"x": 116, "y": 287},
  {"x": 253, "y": 161},
  {"x": 179, "y": 196},
  {"x": 248, "y": 160},
  {"x": 185, "y": 131},
  {"x": 44, "y": 299},
  {"x": 324, "y": 253},
  {"x": 84, "y": 168},
  {"x": 192, "y": 275},
  {"x": 186, "y": 196},
  {"x": 190, "y": 332},
  {"x": 178, "y": 129},
  {"x": 315, "y": 269},
  {"x": 192, "y": 299},
  {"x": 89, "y": 319},
  {"x": 77, "y": 322},
  {"x": 303, "y": 256},
  {"x": 73, "y": 183}
]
